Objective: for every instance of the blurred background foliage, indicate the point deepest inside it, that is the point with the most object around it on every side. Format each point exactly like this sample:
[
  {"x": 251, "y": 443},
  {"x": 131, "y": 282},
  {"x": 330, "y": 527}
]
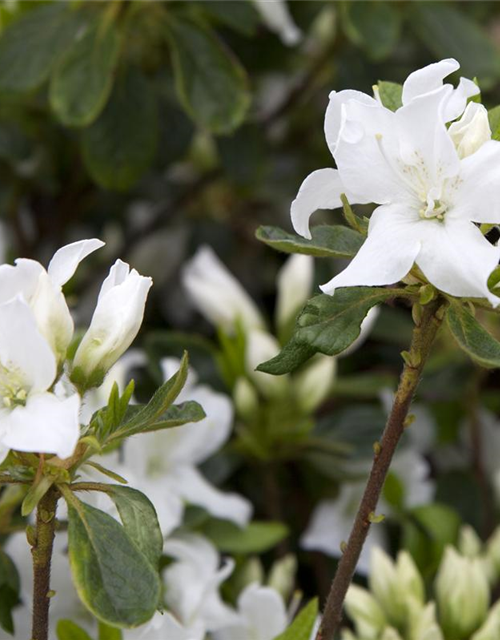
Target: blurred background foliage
[{"x": 162, "y": 126}]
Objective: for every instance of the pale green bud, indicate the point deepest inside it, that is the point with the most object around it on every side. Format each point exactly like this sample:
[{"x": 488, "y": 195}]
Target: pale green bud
[
  {"x": 493, "y": 555},
  {"x": 390, "y": 634},
  {"x": 471, "y": 131},
  {"x": 422, "y": 621},
  {"x": 282, "y": 576},
  {"x": 245, "y": 399},
  {"x": 409, "y": 580},
  {"x": 491, "y": 628},
  {"x": 469, "y": 543},
  {"x": 294, "y": 284},
  {"x": 262, "y": 346},
  {"x": 365, "y": 612},
  {"x": 312, "y": 386},
  {"x": 463, "y": 594}
]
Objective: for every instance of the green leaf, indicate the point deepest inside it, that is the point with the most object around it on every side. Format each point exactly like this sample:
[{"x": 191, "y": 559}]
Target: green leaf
[
  {"x": 68, "y": 630},
  {"x": 120, "y": 145},
  {"x": 494, "y": 118},
  {"x": 109, "y": 633},
  {"x": 114, "y": 580},
  {"x": 472, "y": 337},
  {"x": 328, "y": 324},
  {"x": 9, "y": 591},
  {"x": 211, "y": 84},
  {"x": 391, "y": 94},
  {"x": 30, "y": 46},
  {"x": 257, "y": 537},
  {"x": 303, "y": 625},
  {"x": 240, "y": 16},
  {"x": 35, "y": 494},
  {"x": 139, "y": 520},
  {"x": 450, "y": 33},
  {"x": 373, "y": 26},
  {"x": 328, "y": 241},
  {"x": 83, "y": 79}
]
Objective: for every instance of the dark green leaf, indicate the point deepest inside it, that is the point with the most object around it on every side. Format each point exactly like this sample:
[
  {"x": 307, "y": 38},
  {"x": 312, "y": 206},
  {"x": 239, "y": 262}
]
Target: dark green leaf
[
  {"x": 240, "y": 16},
  {"x": 449, "y": 33},
  {"x": 139, "y": 520},
  {"x": 328, "y": 241},
  {"x": 83, "y": 79},
  {"x": 472, "y": 337},
  {"x": 30, "y": 46},
  {"x": 257, "y": 537},
  {"x": 120, "y": 145},
  {"x": 9, "y": 591},
  {"x": 210, "y": 82},
  {"x": 391, "y": 94},
  {"x": 374, "y": 26},
  {"x": 114, "y": 580},
  {"x": 329, "y": 325},
  {"x": 68, "y": 630},
  {"x": 303, "y": 625}
]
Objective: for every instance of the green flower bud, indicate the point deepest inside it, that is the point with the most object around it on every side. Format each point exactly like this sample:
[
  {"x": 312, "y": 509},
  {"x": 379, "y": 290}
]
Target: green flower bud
[
  {"x": 491, "y": 628},
  {"x": 365, "y": 612}
]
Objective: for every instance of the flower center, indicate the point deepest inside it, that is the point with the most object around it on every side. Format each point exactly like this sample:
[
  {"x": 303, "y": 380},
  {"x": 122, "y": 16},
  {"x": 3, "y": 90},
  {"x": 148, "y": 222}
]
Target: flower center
[
  {"x": 433, "y": 209},
  {"x": 13, "y": 392}
]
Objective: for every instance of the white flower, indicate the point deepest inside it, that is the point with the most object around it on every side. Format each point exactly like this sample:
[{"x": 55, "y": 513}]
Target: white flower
[
  {"x": 294, "y": 285},
  {"x": 262, "y": 615},
  {"x": 42, "y": 289},
  {"x": 313, "y": 385},
  {"x": 163, "y": 464},
  {"x": 471, "y": 131},
  {"x": 430, "y": 197},
  {"x": 365, "y": 612},
  {"x": 262, "y": 346},
  {"x": 277, "y": 18},
  {"x": 218, "y": 295},
  {"x": 31, "y": 418},
  {"x": 115, "y": 323}
]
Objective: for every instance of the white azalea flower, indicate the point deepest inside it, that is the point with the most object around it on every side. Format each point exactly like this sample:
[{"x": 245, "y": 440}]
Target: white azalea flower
[
  {"x": 42, "y": 289},
  {"x": 430, "y": 198},
  {"x": 276, "y": 16},
  {"x": 262, "y": 615},
  {"x": 262, "y": 346},
  {"x": 116, "y": 320},
  {"x": 218, "y": 295},
  {"x": 294, "y": 285},
  {"x": 31, "y": 417}
]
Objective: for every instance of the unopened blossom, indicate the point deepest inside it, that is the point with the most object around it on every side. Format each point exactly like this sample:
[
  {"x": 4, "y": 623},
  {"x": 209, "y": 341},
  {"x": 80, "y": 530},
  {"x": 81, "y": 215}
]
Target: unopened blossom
[
  {"x": 431, "y": 194},
  {"x": 217, "y": 294},
  {"x": 294, "y": 288},
  {"x": 31, "y": 417},
  {"x": 276, "y": 16},
  {"x": 262, "y": 346},
  {"x": 116, "y": 321},
  {"x": 42, "y": 290}
]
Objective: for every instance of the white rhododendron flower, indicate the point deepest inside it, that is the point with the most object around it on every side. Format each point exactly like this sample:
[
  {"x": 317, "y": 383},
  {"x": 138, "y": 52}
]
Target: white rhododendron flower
[
  {"x": 294, "y": 287},
  {"x": 262, "y": 615},
  {"x": 42, "y": 290},
  {"x": 431, "y": 193},
  {"x": 276, "y": 16},
  {"x": 116, "y": 320},
  {"x": 218, "y": 295},
  {"x": 31, "y": 417}
]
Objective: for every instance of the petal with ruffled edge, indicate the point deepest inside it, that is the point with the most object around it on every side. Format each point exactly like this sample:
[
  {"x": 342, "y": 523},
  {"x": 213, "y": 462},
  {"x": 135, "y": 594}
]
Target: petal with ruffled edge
[
  {"x": 66, "y": 260},
  {"x": 333, "y": 115},
  {"x": 46, "y": 424},
  {"x": 477, "y": 192},
  {"x": 193, "y": 487},
  {"x": 320, "y": 190},
  {"x": 387, "y": 254},
  {"x": 456, "y": 258}
]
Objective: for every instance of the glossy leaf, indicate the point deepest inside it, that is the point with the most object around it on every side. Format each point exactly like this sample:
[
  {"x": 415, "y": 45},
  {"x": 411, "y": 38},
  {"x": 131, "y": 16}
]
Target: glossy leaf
[
  {"x": 303, "y": 625},
  {"x": 472, "y": 337},
  {"x": 328, "y": 241}
]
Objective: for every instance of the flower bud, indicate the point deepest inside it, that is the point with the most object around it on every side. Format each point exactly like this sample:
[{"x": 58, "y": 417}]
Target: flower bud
[
  {"x": 262, "y": 346},
  {"x": 115, "y": 323},
  {"x": 277, "y": 18},
  {"x": 282, "y": 576},
  {"x": 365, "y": 612},
  {"x": 462, "y": 595},
  {"x": 491, "y": 628},
  {"x": 469, "y": 543},
  {"x": 312, "y": 386},
  {"x": 294, "y": 284},
  {"x": 245, "y": 399},
  {"x": 471, "y": 131},
  {"x": 390, "y": 634}
]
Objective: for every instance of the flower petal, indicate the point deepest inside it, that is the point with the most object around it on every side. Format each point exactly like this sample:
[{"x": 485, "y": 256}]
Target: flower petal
[
  {"x": 387, "y": 254},
  {"x": 320, "y": 190},
  {"x": 193, "y": 487},
  {"x": 65, "y": 261},
  {"x": 277, "y": 18},
  {"x": 333, "y": 116},
  {"x": 456, "y": 258},
  {"x": 428, "y": 79},
  {"x": 46, "y": 424}
]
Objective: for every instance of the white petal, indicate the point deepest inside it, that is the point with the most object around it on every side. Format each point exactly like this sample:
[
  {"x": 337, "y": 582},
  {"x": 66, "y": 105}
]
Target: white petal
[
  {"x": 264, "y": 611},
  {"x": 478, "y": 193},
  {"x": 276, "y": 16},
  {"x": 387, "y": 254},
  {"x": 413, "y": 471},
  {"x": 456, "y": 258},
  {"x": 45, "y": 425},
  {"x": 22, "y": 348},
  {"x": 117, "y": 275},
  {"x": 262, "y": 346},
  {"x": 471, "y": 131},
  {"x": 195, "y": 489},
  {"x": 333, "y": 116},
  {"x": 163, "y": 625},
  {"x": 320, "y": 190},
  {"x": 66, "y": 260},
  {"x": 366, "y": 327},
  {"x": 294, "y": 287},
  {"x": 458, "y": 100},
  {"x": 21, "y": 279},
  {"x": 428, "y": 79}
]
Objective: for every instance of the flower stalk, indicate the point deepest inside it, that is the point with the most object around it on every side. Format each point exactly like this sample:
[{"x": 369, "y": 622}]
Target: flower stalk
[
  {"x": 415, "y": 359},
  {"x": 42, "y": 547}
]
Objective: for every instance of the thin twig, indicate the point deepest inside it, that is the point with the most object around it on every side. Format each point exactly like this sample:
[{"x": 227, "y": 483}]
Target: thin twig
[{"x": 423, "y": 337}]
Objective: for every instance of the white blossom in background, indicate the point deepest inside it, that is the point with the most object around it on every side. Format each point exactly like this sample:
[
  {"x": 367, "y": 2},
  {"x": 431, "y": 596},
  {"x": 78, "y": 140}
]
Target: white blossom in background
[
  {"x": 31, "y": 417},
  {"x": 431, "y": 193},
  {"x": 294, "y": 284},
  {"x": 261, "y": 615},
  {"x": 276, "y": 16},
  {"x": 116, "y": 321},
  {"x": 217, "y": 294},
  {"x": 262, "y": 346}
]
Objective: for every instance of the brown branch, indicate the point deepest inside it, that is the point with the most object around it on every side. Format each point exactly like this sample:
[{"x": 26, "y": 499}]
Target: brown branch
[{"x": 423, "y": 337}]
